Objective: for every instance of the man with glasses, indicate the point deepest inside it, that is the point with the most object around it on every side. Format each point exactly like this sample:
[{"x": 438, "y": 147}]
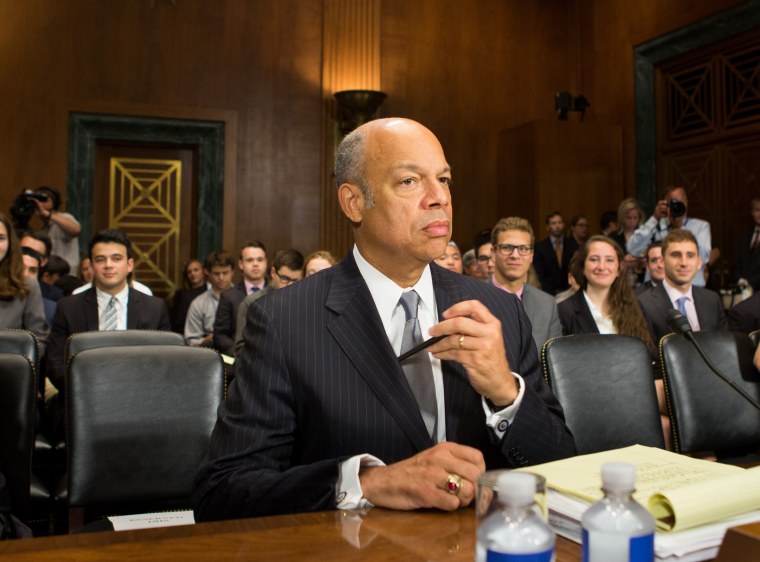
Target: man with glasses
[
  {"x": 287, "y": 268},
  {"x": 484, "y": 254},
  {"x": 655, "y": 268},
  {"x": 513, "y": 241}
]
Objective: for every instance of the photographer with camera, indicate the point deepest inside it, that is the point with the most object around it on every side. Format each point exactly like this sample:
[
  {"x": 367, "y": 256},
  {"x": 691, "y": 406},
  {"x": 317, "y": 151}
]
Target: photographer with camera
[
  {"x": 670, "y": 214},
  {"x": 62, "y": 228}
]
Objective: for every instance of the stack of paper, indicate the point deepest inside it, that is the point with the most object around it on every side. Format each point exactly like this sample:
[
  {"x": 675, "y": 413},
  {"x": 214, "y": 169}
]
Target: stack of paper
[{"x": 693, "y": 501}]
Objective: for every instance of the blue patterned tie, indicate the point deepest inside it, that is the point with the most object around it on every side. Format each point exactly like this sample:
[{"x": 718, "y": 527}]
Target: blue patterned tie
[
  {"x": 681, "y": 302},
  {"x": 417, "y": 368}
]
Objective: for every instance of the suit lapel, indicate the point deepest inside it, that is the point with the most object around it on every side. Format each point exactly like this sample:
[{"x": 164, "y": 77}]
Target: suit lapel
[
  {"x": 133, "y": 309},
  {"x": 705, "y": 314},
  {"x": 357, "y": 329},
  {"x": 91, "y": 310}
]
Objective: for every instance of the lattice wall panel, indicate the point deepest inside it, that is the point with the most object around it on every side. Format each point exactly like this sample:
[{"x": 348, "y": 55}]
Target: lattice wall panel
[
  {"x": 691, "y": 102},
  {"x": 741, "y": 77},
  {"x": 145, "y": 203}
]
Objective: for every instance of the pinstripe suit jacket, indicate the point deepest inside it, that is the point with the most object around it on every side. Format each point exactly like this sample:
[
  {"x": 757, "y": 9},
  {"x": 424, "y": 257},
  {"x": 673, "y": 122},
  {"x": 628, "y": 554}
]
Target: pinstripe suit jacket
[{"x": 318, "y": 382}]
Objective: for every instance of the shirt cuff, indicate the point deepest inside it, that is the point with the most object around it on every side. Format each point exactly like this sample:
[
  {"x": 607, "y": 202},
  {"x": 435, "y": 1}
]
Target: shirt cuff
[
  {"x": 348, "y": 490},
  {"x": 501, "y": 420}
]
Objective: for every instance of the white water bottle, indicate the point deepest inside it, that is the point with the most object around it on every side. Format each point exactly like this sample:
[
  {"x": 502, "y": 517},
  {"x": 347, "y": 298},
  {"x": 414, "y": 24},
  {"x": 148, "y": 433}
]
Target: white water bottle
[
  {"x": 617, "y": 527},
  {"x": 515, "y": 532}
]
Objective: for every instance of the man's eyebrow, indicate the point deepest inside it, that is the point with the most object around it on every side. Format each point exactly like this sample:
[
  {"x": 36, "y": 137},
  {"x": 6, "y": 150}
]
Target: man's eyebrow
[{"x": 418, "y": 169}]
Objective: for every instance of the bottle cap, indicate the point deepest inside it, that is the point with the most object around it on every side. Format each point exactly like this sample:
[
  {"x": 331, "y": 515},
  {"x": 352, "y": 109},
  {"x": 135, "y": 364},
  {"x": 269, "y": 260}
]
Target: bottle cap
[
  {"x": 618, "y": 477},
  {"x": 516, "y": 488}
]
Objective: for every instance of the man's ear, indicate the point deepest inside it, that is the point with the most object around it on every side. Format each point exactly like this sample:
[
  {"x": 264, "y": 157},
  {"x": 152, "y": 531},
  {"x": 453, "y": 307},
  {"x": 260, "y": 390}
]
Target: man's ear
[
  {"x": 130, "y": 265},
  {"x": 351, "y": 201}
]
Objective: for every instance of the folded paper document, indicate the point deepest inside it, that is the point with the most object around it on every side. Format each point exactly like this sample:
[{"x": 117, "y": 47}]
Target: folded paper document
[{"x": 681, "y": 492}]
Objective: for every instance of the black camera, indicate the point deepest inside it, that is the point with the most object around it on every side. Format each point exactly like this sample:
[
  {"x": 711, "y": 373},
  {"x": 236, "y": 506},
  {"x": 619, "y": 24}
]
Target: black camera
[
  {"x": 23, "y": 207},
  {"x": 677, "y": 208}
]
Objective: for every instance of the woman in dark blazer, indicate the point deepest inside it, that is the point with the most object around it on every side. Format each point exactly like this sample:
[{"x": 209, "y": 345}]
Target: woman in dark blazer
[{"x": 605, "y": 303}]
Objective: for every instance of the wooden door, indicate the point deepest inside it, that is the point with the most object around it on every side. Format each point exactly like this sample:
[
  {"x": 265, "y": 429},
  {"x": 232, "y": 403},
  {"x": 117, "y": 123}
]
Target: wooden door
[{"x": 149, "y": 191}]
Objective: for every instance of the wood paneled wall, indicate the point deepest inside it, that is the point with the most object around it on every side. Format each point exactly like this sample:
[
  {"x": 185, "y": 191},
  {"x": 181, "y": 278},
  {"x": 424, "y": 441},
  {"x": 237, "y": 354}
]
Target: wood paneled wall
[{"x": 468, "y": 70}]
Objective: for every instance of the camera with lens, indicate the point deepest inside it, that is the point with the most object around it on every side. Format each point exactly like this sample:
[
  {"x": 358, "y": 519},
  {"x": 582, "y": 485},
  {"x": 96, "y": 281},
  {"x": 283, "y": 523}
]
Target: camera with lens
[
  {"x": 677, "y": 208},
  {"x": 23, "y": 207}
]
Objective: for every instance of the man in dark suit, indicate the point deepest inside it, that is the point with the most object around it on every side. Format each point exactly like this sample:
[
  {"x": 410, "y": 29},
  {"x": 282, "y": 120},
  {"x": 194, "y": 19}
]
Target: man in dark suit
[
  {"x": 702, "y": 307},
  {"x": 655, "y": 268},
  {"x": 746, "y": 269},
  {"x": 109, "y": 304},
  {"x": 253, "y": 263},
  {"x": 745, "y": 316},
  {"x": 552, "y": 255},
  {"x": 322, "y": 414}
]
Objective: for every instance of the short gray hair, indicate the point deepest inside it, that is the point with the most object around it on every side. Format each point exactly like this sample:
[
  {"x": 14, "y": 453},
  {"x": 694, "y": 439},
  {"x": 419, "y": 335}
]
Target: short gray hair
[{"x": 350, "y": 163}]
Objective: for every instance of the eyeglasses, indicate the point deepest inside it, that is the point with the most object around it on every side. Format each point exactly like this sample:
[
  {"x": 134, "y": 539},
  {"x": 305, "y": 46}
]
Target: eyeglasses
[
  {"x": 507, "y": 249},
  {"x": 285, "y": 279}
]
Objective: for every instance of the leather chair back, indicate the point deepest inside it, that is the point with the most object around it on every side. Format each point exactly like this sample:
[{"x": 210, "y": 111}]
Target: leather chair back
[
  {"x": 20, "y": 342},
  {"x": 606, "y": 387},
  {"x": 91, "y": 340},
  {"x": 17, "y": 403},
  {"x": 139, "y": 422},
  {"x": 706, "y": 414},
  {"x": 755, "y": 337}
]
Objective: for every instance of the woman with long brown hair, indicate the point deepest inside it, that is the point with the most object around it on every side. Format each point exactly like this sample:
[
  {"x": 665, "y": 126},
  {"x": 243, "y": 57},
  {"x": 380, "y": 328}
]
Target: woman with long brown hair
[
  {"x": 605, "y": 303},
  {"x": 20, "y": 296}
]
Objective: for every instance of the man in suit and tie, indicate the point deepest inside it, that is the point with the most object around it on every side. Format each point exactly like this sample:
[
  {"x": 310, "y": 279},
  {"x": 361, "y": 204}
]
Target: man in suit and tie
[
  {"x": 322, "y": 414},
  {"x": 552, "y": 255},
  {"x": 253, "y": 263},
  {"x": 110, "y": 304},
  {"x": 746, "y": 269},
  {"x": 513, "y": 241},
  {"x": 655, "y": 268},
  {"x": 700, "y": 306}
]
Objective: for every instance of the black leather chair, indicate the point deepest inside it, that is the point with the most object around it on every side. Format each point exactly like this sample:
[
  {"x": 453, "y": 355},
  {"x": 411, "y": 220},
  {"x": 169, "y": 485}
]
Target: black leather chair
[
  {"x": 17, "y": 407},
  {"x": 91, "y": 340},
  {"x": 705, "y": 413},
  {"x": 606, "y": 388},
  {"x": 755, "y": 337},
  {"x": 21, "y": 342},
  {"x": 139, "y": 420}
]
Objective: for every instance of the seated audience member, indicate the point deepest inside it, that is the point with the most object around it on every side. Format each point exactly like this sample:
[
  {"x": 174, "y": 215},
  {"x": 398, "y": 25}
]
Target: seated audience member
[
  {"x": 452, "y": 259},
  {"x": 630, "y": 216},
  {"x": 32, "y": 261},
  {"x": 199, "y": 325},
  {"x": 756, "y": 359},
  {"x": 68, "y": 284},
  {"x": 287, "y": 268},
  {"x": 551, "y": 256},
  {"x": 40, "y": 242},
  {"x": 671, "y": 213},
  {"x": 471, "y": 267},
  {"x": 608, "y": 223},
  {"x": 321, "y": 414},
  {"x": 745, "y": 316},
  {"x": 484, "y": 254},
  {"x": 20, "y": 297},
  {"x": 572, "y": 281},
  {"x": 253, "y": 263},
  {"x": 110, "y": 304},
  {"x": 513, "y": 241},
  {"x": 655, "y": 268},
  {"x": 86, "y": 273},
  {"x": 605, "y": 303},
  {"x": 579, "y": 230},
  {"x": 317, "y": 261},
  {"x": 746, "y": 269},
  {"x": 193, "y": 285},
  {"x": 702, "y": 307}
]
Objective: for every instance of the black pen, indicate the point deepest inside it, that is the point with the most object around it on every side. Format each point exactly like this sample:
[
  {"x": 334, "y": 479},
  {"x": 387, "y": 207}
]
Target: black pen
[{"x": 419, "y": 347}]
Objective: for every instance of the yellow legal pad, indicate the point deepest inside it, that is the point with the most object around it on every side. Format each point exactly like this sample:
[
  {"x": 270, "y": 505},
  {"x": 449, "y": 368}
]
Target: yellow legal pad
[{"x": 679, "y": 491}]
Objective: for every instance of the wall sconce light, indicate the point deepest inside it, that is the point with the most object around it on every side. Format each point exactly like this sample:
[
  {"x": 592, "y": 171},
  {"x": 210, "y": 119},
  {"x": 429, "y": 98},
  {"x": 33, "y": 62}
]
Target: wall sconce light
[
  {"x": 565, "y": 101},
  {"x": 356, "y": 107}
]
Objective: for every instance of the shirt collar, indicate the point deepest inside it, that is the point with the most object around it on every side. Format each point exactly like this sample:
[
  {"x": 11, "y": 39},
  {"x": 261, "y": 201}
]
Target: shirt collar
[
  {"x": 249, "y": 286},
  {"x": 518, "y": 294},
  {"x": 674, "y": 294},
  {"x": 386, "y": 294},
  {"x": 104, "y": 298}
]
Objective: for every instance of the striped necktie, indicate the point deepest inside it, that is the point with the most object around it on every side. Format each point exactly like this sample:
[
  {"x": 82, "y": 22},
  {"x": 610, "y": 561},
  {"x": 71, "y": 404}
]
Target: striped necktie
[{"x": 110, "y": 318}]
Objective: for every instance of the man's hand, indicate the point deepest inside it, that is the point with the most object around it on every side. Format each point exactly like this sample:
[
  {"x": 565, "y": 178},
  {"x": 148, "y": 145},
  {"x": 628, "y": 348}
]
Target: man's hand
[
  {"x": 421, "y": 481},
  {"x": 661, "y": 210},
  {"x": 474, "y": 340}
]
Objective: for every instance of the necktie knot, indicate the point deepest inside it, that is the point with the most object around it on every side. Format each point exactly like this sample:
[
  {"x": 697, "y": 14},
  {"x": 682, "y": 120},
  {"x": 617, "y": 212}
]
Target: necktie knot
[
  {"x": 681, "y": 302},
  {"x": 410, "y": 301}
]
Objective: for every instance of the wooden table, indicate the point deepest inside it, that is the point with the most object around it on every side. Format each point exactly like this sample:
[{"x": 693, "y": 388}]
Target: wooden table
[{"x": 329, "y": 536}]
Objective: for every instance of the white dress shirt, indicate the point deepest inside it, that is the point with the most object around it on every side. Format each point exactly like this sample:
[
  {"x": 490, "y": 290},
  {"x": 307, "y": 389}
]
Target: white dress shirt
[
  {"x": 122, "y": 300},
  {"x": 691, "y": 311}
]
